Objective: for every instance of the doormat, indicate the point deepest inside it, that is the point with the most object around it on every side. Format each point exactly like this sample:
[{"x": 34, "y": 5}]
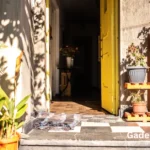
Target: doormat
[{"x": 58, "y": 122}]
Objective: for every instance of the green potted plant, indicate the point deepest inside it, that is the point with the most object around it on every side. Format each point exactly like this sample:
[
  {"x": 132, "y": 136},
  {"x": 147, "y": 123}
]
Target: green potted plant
[
  {"x": 11, "y": 112},
  {"x": 138, "y": 103},
  {"x": 69, "y": 52},
  {"x": 136, "y": 63}
]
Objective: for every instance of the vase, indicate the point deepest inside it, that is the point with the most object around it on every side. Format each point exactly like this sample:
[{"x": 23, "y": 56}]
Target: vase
[
  {"x": 69, "y": 62},
  {"x": 136, "y": 74}
]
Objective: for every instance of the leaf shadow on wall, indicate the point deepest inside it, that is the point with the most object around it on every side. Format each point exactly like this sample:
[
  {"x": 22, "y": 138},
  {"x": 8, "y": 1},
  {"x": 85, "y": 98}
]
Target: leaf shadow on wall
[
  {"x": 144, "y": 37},
  {"x": 16, "y": 26}
]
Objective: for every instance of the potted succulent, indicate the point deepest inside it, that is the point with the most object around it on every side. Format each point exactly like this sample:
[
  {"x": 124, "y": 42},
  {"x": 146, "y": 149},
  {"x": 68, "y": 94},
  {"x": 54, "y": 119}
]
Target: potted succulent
[
  {"x": 69, "y": 52},
  {"x": 138, "y": 103},
  {"x": 136, "y": 63},
  {"x": 11, "y": 111}
]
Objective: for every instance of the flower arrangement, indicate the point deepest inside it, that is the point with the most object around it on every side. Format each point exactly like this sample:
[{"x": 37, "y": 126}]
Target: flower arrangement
[
  {"x": 69, "y": 51},
  {"x": 136, "y": 56}
]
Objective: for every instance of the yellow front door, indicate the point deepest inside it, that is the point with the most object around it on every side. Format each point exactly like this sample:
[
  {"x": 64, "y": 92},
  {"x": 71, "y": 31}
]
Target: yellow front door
[{"x": 109, "y": 55}]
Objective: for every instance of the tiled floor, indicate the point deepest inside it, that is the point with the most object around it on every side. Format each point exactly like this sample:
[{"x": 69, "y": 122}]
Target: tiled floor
[
  {"x": 88, "y": 103},
  {"x": 80, "y": 107},
  {"x": 95, "y": 119},
  {"x": 102, "y": 124}
]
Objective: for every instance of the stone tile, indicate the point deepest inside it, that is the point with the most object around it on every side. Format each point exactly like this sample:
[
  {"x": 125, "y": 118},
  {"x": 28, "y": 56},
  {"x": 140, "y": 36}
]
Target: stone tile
[
  {"x": 112, "y": 117},
  {"x": 96, "y": 120},
  {"x": 109, "y": 121},
  {"x": 94, "y": 124},
  {"x": 120, "y": 120},
  {"x": 118, "y": 136},
  {"x": 94, "y": 136},
  {"x": 144, "y": 124},
  {"x": 124, "y": 124},
  {"x": 100, "y": 116},
  {"x": 44, "y": 134},
  {"x": 95, "y": 130},
  {"x": 76, "y": 129},
  {"x": 131, "y": 124},
  {"x": 146, "y": 129},
  {"x": 121, "y": 129}
]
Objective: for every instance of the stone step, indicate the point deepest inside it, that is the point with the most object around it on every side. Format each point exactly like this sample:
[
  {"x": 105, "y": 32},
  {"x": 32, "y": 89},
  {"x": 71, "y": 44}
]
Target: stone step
[
  {"x": 79, "y": 148},
  {"x": 83, "y": 145}
]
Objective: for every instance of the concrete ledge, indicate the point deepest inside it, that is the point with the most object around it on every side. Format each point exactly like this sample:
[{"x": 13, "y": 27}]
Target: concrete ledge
[
  {"x": 79, "y": 148},
  {"x": 85, "y": 143}
]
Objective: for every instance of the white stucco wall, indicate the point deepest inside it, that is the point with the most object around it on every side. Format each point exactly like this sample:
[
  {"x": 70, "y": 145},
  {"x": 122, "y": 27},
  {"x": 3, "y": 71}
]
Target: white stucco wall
[
  {"x": 134, "y": 16},
  {"x": 16, "y": 29}
]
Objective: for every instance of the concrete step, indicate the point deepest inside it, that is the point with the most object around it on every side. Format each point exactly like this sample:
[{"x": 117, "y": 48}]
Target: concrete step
[
  {"x": 79, "y": 148},
  {"x": 83, "y": 145}
]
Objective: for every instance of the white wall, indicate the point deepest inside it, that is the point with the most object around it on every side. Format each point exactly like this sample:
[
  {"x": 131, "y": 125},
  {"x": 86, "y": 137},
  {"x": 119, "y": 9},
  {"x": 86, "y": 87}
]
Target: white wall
[
  {"x": 134, "y": 15},
  {"x": 16, "y": 29}
]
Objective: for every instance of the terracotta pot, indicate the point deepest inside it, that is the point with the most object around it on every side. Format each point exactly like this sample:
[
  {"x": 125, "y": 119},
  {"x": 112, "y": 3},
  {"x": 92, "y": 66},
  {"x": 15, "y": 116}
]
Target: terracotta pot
[
  {"x": 10, "y": 144},
  {"x": 139, "y": 107}
]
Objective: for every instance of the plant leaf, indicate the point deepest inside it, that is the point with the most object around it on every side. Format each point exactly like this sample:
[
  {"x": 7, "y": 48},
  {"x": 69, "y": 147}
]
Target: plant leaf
[
  {"x": 11, "y": 107},
  {"x": 22, "y": 102},
  {"x": 21, "y": 111},
  {"x": 20, "y": 125},
  {"x": 2, "y": 101}
]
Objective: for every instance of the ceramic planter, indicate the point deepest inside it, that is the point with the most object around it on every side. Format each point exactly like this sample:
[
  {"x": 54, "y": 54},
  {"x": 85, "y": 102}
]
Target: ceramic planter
[
  {"x": 136, "y": 74},
  {"x": 139, "y": 107},
  {"x": 10, "y": 144},
  {"x": 69, "y": 61}
]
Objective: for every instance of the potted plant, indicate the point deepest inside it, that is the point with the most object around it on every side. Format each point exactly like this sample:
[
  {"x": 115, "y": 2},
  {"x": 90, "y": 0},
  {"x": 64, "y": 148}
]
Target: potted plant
[
  {"x": 138, "y": 103},
  {"x": 10, "y": 111},
  {"x": 69, "y": 52},
  {"x": 136, "y": 63}
]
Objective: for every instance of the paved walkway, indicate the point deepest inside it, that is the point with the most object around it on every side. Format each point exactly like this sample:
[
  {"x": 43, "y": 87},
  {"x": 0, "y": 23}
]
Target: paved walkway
[{"x": 93, "y": 132}]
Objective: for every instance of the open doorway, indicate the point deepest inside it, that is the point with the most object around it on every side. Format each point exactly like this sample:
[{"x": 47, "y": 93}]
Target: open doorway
[{"x": 79, "y": 26}]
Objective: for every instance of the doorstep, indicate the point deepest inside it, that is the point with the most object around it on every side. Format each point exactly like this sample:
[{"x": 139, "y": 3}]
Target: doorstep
[{"x": 94, "y": 132}]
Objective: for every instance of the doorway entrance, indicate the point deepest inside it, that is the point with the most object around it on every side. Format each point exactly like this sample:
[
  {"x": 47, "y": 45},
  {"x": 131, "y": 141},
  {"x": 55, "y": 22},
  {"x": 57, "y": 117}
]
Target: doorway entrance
[{"x": 80, "y": 27}]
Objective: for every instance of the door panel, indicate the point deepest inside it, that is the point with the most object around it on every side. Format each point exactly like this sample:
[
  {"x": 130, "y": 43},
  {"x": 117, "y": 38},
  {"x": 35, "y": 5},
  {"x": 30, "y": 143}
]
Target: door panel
[{"x": 108, "y": 54}]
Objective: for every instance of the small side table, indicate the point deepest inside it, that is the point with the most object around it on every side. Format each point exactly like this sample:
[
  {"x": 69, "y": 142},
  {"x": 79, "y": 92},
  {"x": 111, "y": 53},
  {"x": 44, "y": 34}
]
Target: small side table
[
  {"x": 65, "y": 81},
  {"x": 65, "y": 85}
]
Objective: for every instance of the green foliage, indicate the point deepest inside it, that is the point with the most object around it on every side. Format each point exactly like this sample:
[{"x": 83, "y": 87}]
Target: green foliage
[
  {"x": 68, "y": 51},
  {"x": 10, "y": 113},
  {"x": 137, "y": 96}
]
